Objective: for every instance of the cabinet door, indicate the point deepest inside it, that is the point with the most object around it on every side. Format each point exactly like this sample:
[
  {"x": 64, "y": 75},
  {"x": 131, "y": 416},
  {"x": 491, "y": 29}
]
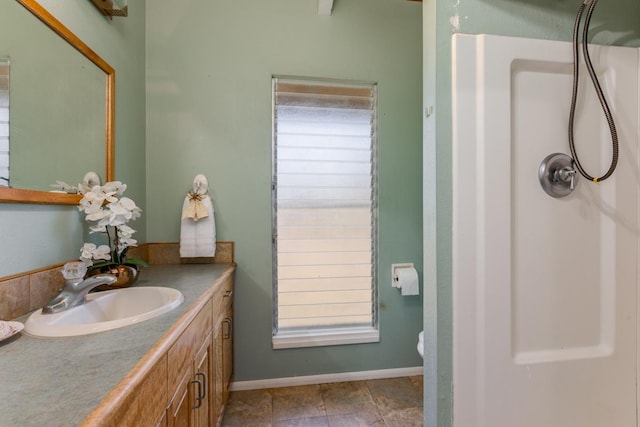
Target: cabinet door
[
  {"x": 227, "y": 354},
  {"x": 179, "y": 412},
  {"x": 201, "y": 386},
  {"x": 162, "y": 422},
  {"x": 217, "y": 378}
]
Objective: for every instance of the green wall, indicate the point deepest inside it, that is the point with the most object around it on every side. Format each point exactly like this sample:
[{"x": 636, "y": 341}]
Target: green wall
[
  {"x": 34, "y": 236},
  {"x": 203, "y": 106},
  {"x": 614, "y": 22},
  {"x": 209, "y": 68}
]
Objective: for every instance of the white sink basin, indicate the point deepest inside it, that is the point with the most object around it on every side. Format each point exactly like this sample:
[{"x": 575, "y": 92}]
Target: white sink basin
[{"x": 104, "y": 311}]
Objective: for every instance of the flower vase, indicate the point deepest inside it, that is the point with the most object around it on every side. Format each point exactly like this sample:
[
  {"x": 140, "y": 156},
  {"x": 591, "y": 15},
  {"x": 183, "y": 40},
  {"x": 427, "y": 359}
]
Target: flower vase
[{"x": 126, "y": 276}]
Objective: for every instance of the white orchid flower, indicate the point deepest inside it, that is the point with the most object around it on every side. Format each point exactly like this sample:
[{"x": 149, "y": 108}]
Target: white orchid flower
[
  {"x": 98, "y": 229},
  {"x": 92, "y": 208},
  {"x": 117, "y": 220},
  {"x": 98, "y": 215},
  {"x": 86, "y": 252},
  {"x": 124, "y": 231},
  {"x": 63, "y": 186},
  {"x": 93, "y": 200},
  {"x": 101, "y": 193},
  {"x": 122, "y": 211},
  {"x": 124, "y": 237},
  {"x": 114, "y": 187},
  {"x": 128, "y": 242},
  {"x": 108, "y": 215},
  {"x": 125, "y": 243},
  {"x": 101, "y": 225},
  {"x": 128, "y": 204},
  {"x": 90, "y": 251},
  {"x": 102, "y": 252}
]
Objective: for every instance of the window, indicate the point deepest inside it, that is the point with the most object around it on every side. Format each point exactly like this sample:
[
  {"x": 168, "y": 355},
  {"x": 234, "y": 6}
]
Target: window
[{"x": 324, "y": 213}]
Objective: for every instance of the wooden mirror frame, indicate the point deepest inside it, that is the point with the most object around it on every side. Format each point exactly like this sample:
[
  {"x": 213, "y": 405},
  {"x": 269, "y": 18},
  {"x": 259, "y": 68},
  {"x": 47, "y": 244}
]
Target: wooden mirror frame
[{"x": 15, "y": 195}]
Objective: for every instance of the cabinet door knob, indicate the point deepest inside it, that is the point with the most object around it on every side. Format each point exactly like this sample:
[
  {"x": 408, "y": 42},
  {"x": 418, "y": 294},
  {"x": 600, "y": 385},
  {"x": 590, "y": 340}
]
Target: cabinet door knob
[{"x": 228, "y": 293}]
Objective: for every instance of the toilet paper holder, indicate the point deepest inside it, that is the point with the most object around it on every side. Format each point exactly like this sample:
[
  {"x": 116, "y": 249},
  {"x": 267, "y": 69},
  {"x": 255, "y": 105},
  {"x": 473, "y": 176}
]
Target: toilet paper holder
[{"x": 394, "y": 274}]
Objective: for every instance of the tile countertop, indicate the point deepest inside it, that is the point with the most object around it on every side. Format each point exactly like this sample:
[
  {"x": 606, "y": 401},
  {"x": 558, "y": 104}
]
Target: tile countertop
[{"x": 58, "y": 381}]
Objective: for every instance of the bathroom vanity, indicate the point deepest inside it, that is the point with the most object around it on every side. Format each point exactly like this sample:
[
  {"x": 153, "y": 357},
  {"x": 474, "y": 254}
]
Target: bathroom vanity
[{"x": 171, "y": 370}]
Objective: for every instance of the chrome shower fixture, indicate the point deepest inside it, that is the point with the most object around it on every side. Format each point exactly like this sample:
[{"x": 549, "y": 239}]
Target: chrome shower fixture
[{"x": 558, "y": 175}]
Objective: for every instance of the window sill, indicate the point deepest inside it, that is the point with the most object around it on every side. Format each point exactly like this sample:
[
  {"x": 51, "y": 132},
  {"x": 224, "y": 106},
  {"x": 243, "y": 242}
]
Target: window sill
[{"x": 325, "y": 337}]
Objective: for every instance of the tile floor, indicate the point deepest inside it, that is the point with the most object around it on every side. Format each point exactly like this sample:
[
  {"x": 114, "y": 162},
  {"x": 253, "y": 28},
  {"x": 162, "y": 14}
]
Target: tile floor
[{"x": 386, "y": 402}]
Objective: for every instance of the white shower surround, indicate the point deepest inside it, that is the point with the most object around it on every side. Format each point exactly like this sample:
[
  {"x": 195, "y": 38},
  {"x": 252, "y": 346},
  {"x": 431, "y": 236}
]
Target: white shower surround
[{"x": 544, "y": 290}]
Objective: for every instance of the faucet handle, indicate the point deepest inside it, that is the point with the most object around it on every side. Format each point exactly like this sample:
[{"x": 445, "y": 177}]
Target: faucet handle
[
  {"x": 568, "y": 173},
  {"x": 74, "y": 270},
  {"x": 573, "y": 181}
]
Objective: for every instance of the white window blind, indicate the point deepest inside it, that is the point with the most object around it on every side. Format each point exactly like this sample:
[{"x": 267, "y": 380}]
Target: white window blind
[
  {"x": 4, "y": 122},
  {"x": 324, "y": 200}
]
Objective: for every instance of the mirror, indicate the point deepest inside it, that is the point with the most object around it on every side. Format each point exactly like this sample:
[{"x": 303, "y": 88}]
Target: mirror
[
  {"x": 61, "y": 106},
  {"x": 4, "y": 121}
]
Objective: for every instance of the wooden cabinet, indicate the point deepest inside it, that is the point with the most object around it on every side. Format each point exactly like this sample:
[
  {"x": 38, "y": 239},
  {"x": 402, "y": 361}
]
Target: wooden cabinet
[
  {"x": 145, "y": 403},
  {"x": 201, "y": 401},
  {"x": 179, "y": 411},
  {"x": 191, "y": 403},
  {"x": 227, "y": 350},
  {"x": 217, "y": 403},
  {"x": 189, "y": 372},
  {"x": 222, "y": 348},
  {"x": 184, "y": 380},
  {"x": 162, "y": 422},
  {"x": 201, "y": 364}
]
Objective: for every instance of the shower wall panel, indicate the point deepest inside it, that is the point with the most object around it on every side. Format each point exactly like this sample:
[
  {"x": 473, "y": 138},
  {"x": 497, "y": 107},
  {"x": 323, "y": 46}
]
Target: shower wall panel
[{"x": 545, "y": 288}]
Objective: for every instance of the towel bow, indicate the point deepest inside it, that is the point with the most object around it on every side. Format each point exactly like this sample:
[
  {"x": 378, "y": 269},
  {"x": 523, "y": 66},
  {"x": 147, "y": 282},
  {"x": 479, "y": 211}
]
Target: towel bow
[{"x": 195, "y": 209}]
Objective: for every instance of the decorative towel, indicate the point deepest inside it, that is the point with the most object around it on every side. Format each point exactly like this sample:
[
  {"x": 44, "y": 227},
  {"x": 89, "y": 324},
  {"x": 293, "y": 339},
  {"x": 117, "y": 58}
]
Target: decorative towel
[
  {"x": 198, "y": 225},
  {"x": 195, "y": 209}
]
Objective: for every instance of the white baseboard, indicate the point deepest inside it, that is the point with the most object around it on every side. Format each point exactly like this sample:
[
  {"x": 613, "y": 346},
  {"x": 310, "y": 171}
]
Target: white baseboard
[{"x": 326, "y": 378}]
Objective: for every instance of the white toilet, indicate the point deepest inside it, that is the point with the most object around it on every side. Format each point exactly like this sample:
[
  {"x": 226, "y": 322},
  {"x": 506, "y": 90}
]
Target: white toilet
[{"x": 421, "y": 344}]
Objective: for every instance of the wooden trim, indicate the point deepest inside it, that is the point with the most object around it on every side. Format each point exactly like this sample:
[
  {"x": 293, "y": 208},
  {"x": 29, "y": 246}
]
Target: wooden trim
[
  {"x": 58, "y": 27},
  {"x": 14, "y": 195},
  {"x": 321, "y": 88},
  {"x": 327, "y": 378},
  {"x": 110, "y": 146}
]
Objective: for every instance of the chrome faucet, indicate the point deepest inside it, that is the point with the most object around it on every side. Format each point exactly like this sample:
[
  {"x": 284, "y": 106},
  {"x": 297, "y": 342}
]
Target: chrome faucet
[{"x": 76, "y": 289}]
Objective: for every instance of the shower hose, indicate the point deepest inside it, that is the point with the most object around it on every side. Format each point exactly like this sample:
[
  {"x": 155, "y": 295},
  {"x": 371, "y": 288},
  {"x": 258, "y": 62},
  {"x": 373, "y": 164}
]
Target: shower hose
[{"x": 596, "y": 84}]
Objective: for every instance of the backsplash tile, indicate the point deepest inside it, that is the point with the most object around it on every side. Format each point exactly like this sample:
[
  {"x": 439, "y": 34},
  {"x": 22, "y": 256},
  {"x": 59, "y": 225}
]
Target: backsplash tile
[
  {"x": 22, "y": 293},
  {"x": 14, "y": 297},
  {"x": 43, "y": 286},
  {"x": 164, "y": 253},
  {"x": 169, "y": 253},
  {"x": 141, "y": 252}
]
